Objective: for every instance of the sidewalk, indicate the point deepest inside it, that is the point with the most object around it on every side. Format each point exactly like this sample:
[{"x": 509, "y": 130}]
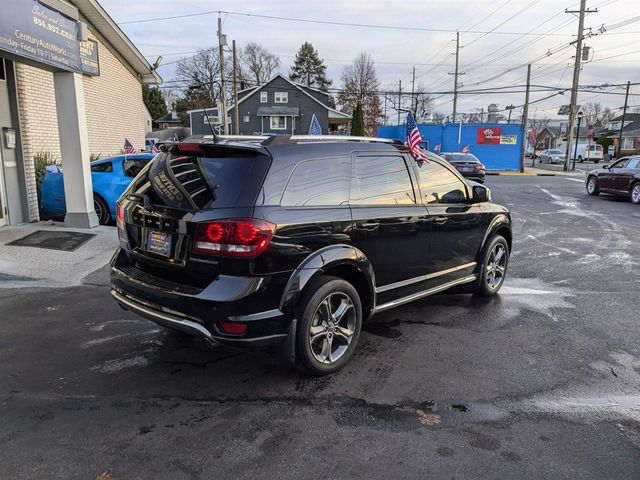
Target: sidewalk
[
  {"x": 30, "y": 267},
  {"x": 539, "y": 171}
]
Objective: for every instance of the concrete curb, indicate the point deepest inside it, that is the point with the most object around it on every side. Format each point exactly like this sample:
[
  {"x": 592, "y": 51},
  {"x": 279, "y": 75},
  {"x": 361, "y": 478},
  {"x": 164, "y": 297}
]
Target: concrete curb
[{"x": 518, "y": 174}]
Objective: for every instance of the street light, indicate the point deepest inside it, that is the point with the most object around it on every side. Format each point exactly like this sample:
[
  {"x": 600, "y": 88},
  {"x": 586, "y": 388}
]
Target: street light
[{"x": 575, "y": 149}]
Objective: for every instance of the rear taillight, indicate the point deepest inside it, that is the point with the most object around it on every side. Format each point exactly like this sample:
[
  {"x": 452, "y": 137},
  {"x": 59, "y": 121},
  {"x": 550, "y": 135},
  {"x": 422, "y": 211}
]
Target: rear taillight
[
  {"x": 120, "y": 221},
  {"x": 479, "y": 167},
  {"x": 245, "y": 237}
]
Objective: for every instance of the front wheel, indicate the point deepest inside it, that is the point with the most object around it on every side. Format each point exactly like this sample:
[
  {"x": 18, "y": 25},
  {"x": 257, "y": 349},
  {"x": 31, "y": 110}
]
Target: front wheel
[
  {"x": 592, "y": 186},
  {"x": 635, "y": 193},
  {"x": 330, "y": 319},
  {"x": 494, "y": 267}
]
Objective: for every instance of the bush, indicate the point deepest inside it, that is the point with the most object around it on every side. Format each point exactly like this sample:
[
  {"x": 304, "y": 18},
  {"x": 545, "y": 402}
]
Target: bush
[{"x": 41, "y": 160}]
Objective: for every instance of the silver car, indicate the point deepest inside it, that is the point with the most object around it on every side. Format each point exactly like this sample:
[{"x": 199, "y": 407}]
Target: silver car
[{"x": 551, "y": 156}]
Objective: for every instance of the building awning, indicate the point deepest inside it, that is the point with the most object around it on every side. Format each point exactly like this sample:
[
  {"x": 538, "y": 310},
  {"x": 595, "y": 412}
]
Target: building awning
[{"x": 278, "y": 111}]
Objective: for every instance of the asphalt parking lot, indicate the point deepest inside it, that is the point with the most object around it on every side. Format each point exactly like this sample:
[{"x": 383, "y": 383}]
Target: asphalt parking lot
[{"x": 541, "y": 381}]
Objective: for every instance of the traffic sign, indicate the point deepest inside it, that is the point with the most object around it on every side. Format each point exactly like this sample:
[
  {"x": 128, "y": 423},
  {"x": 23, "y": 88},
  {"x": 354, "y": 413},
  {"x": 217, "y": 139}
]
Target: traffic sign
[{"x": 590, "y": 132}]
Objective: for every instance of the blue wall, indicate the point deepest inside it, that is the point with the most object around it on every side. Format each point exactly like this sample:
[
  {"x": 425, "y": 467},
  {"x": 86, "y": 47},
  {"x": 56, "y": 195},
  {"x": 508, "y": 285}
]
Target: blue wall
[{"x": 495, "y": 157}]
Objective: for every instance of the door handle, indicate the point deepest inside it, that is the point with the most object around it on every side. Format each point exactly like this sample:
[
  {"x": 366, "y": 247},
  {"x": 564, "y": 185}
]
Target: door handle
[
  {"x": 439, "y": 220},
  {"x": 369, "y": 225}
]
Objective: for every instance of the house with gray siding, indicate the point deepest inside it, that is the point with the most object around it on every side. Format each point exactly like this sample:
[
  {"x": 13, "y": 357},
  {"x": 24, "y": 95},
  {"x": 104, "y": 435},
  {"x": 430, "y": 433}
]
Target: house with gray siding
[{"x": 283, "y": 106}]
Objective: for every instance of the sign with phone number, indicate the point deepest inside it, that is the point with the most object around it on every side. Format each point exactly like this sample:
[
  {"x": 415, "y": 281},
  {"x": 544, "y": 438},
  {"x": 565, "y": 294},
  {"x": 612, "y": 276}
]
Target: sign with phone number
[{"x": 31, "y": 30}]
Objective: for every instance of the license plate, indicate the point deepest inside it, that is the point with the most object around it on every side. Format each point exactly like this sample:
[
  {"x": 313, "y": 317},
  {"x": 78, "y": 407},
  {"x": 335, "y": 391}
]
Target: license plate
[
  {"x": 159, "y": 243},
  {"x": 467, "y": 169}
]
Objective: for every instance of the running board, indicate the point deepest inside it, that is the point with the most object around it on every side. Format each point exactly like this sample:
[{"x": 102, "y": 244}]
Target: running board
[{"x": 425, "y": 293}]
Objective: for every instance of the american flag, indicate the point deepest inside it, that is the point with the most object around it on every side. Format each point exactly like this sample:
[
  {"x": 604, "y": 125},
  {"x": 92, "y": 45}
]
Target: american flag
[
  {"x": 436, "y": 148},
  {"x": 414, "y": 140},
  {"x": 314, "y": 127},
  {"x": 128, "y": 148}
]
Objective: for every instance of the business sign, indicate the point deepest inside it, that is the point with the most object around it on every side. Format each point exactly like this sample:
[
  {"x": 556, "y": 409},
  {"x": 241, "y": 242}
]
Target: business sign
[
  {"x": 488, "y": 136},
  {"x": 31, "y": 30},
  {"x": 508, "y": 139},
  {"x": 89, "y": 60}
]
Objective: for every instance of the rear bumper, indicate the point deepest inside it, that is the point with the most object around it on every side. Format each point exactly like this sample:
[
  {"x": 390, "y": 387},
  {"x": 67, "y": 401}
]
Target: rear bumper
[
  {"x": 252, "y": 301},
  {"x": 478, "y": 177}
]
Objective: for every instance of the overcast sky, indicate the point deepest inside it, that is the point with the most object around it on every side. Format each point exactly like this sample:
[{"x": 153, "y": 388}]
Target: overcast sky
[{"x": 615, "y": 56}]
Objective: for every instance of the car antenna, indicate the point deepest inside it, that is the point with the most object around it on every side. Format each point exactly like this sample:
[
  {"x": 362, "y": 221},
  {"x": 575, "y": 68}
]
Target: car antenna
[{"x": 215, "y": 137}]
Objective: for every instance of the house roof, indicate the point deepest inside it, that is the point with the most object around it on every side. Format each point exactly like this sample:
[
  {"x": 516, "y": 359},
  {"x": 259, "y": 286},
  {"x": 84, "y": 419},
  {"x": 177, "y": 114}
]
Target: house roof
[
  {"x": 333, "y": 113},
  {"x": 555, "y": 131},
  {"x": 628, "y": 133},
  {"x": 168, "y": 118},
  {"x": 105, "y": 26},
  {"x": 629, "y": 117},
  {"x": 287, "y": 111}
]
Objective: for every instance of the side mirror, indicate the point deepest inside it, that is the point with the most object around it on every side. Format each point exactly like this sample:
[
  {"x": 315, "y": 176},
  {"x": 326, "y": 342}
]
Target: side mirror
[{"x": 481, "y": 194}]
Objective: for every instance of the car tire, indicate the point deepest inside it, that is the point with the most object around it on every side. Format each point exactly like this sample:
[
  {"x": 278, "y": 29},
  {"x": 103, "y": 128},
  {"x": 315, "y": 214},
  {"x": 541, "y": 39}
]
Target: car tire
[
  {"x": 635, "y": 193},
  {"x": 495, "y": 262},
  {"x": 102, "y": 210},
  {"x": 592, "y": 185},
  {"x": 325, "y": 300}
]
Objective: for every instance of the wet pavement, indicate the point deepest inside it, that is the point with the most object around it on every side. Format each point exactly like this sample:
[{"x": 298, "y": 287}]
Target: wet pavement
[{"x": 542, "y": 381}]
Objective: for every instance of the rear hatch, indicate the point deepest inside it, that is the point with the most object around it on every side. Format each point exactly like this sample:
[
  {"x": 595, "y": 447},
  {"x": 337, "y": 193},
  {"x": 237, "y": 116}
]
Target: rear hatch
[{"x": 181, "y": 194}]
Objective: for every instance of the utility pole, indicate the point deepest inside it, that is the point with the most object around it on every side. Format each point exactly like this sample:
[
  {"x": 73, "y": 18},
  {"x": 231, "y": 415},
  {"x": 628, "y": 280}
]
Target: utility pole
[
  {"x": 399, "y": 99},
  {"x": 456, "y": 74},
  {"x": 413, "y": 86},
  {"x": 624, "y": 114},
  {"x": 222, "y": 41},
  {"x": 573, "y": 110},
  {"x": 236, "y": 113},
  {"x": 525, "y": 115}
]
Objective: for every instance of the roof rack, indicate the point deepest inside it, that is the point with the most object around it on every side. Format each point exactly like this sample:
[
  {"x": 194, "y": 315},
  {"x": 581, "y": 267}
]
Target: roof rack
[{"x": 281, "y": 139}]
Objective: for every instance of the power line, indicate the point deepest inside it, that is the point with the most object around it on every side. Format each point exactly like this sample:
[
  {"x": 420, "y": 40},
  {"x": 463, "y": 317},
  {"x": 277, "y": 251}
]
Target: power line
[{"x": 328, "y": 22}]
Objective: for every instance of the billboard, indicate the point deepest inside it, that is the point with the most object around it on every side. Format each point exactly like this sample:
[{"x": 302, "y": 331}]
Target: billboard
[
  {"x": 488, "y": 136},
  {"x": 31, "y": 30},
  {"x": 89, "y": 61}
]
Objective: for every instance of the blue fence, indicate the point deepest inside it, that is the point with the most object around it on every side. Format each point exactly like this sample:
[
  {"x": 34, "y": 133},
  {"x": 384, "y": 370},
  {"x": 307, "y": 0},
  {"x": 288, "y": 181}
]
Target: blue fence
[{"x": 502, "y": 155}]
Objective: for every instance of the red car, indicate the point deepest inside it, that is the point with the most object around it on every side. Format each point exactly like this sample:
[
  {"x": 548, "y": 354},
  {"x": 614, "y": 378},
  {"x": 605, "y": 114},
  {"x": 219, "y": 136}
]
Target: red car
[{"x": 621, "y": 178}]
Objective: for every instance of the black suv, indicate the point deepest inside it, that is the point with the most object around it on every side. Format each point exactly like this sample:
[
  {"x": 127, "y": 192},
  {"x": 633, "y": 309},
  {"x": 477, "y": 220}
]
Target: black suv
[{"x": 295, "y": 241}]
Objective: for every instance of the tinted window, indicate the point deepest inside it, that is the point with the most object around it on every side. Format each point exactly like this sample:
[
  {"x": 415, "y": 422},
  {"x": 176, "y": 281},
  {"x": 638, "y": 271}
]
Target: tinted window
[
  {"x": 381, "y": 180},
  {"x": 620, "y": 163},
  {"x": 319, "y": 182},
  {"x": 102, "y": 167},
  {"x": 461, "y": 157},
  {"x": 439, "y": 185},
  {"x": 131, "y": 167}
]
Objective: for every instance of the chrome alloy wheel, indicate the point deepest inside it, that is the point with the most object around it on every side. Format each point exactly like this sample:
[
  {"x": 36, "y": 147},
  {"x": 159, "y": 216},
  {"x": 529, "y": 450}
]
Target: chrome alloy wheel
[
  {"x": 332, "y": 328},
  {"x": 496, "y": 267},
  {"x": 98, "y": 209},
  {"x": 591, "y": 185},
  {"x": 635, "y": 193}
]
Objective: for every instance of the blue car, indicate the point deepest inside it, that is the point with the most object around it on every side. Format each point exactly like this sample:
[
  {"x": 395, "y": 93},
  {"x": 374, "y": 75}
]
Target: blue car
[{"x": 110, "y": 177}]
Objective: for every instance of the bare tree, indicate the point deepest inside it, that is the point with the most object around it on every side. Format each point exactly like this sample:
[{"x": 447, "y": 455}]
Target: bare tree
[
  {"x": 438, "y": 117},
  {"x": 423, "y": 103},
  {"x": 260, "y": 64},
  {"x": 360, "y": 84},
  {"x": 606, "y": 116},
  {"x": 202, "y": 72},
  {"x": 538, "y": 124},
  {"x": 592, "y": 112}
]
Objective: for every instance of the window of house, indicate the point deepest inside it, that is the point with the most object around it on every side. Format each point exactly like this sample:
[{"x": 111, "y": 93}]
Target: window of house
[
  {"x": 381, "y": 180},
  {"x": 278, "y": 122},
  {"x": 627, "y": 143},
  {"x": 281, "y": 97},
  {"x": 264, "y": 97},
  {"x": 321, "y": 182},
  {"x": 3, "y": 72},
  {"x": 245, "y": 119},
  {"x": 439, "y": 185},
  {"x": 102, "y": 167}
]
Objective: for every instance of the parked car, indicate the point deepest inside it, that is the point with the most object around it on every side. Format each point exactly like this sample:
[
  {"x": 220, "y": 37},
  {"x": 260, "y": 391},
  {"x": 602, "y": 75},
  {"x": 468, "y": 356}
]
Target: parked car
[
  {"x": 109, "y": 176},
  {"x": 551, "y": 156},
  {"x": 621, "y": 178},
  {"x": 467, "y": 164},
  {"x": 296, "y": 241}
]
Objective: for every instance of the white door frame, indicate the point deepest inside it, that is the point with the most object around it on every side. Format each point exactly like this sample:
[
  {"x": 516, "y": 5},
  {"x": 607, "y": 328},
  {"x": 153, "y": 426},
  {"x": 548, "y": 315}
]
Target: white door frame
[{"x": 4, "y": 220}]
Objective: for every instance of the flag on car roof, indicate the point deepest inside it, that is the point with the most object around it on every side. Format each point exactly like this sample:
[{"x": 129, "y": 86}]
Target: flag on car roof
[
  {"x": 465, "y": 149},
  {"x": 128, "y": 148},
  {"x": 436, "y": 148},
  {"x": 315, "y": 128},
  {"x": 414, "y": 139},
  {"x": 154, "y": 149}
]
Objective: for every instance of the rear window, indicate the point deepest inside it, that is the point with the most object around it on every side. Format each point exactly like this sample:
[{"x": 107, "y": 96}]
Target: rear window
[
  {"x": 461, "y": 157},
  {"x": 595, "y": 148},
  {"x": 189, "y": 182}
]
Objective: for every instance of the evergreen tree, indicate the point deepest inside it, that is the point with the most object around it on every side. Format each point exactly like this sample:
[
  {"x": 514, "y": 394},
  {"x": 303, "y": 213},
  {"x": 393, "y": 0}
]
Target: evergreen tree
[
  {"x": 154, "y": 102},
  {"x": 309, "y": 69},
  {"x": 357, "y": 122}
]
